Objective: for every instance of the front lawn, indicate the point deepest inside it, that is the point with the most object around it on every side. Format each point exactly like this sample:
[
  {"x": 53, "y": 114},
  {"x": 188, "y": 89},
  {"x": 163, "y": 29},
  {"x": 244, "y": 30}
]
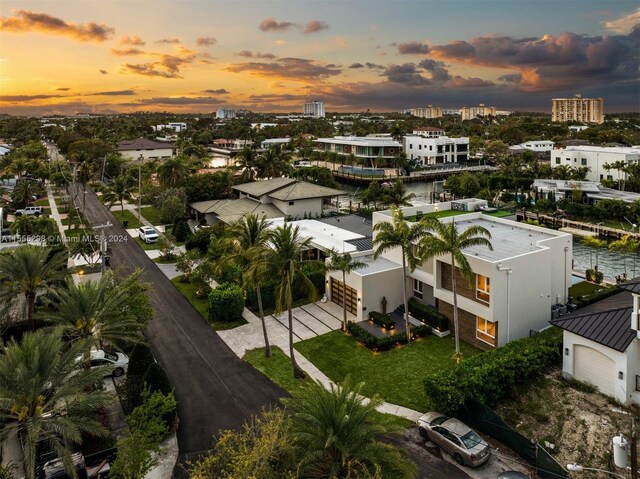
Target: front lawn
[
  {"x": 127, "y": 216},
  {"x": 584, "y": 288},
  {"x": 146, "y": 246},
  {"x": 500, "y": 214},
  {"x": 152, "y": 215},
  {"x": 188, "y": 290},
  {"x": 439, "y": 214},
  {"x": 396, "y": 375},
  {"x": 278, "y": 369}
]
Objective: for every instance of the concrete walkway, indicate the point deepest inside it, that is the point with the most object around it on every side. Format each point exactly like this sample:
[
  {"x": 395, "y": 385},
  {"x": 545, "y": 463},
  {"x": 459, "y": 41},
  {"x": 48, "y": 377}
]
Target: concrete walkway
[{"x": 55, "y": 214}]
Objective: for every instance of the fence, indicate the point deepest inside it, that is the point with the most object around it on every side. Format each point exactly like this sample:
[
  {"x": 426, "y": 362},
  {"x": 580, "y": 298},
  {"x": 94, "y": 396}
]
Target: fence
[{"x": 484, "y": 419}]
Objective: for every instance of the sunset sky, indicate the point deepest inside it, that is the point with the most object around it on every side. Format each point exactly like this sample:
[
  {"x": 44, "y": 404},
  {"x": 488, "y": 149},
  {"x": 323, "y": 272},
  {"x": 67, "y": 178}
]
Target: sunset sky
[{"x": 193, "y": 56}]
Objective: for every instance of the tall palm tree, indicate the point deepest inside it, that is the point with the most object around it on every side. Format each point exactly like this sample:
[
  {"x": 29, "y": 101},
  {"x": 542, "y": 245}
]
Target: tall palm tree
[
  {"x": 120, "y": 190},
  {"x": 43, "y": 395},
  {"x": 95, "y": 310},
  {"x": 594, "y": 243},
  {"x": 85, "y": 173},
  {"x": 398, "y": 234},
  {"x": 624, "y": 246},
  {"x": 246, "y": 161},
  {"x": 336, "y": 437},
  {"x": 282, "y": 260},
  {"x": 397, "y": 195},
  {"x": 272, "y": 163},
  {"x": 247, "y": 238},
  {"x": 173, "y": 172},
  {"x": 344, "y": 263},
  {"x": 446, "y": 239},
  {"x": 29, "y": 269}
]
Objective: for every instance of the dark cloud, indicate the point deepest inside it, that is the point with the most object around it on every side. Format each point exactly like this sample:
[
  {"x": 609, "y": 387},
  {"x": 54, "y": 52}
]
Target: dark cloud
[
  {"x": 437, "y": 69},
  {"x": 104, "y": 72},
  {"x": 63, "y": 89},
  {"x": 171, "y": 41},
  {"x": 273, "y": 97},
  {"x": 150, "y": 70},
  {"x": 413, "y": 48},
  {"x": 127, "y": 52},
  {"x": 314, "y": 26},
  {"x": 406, "y": 73},
  {"x": 356, "y": 65},
  {"x": 113, "y": 93},
  {"x": 132, "y": 40},
  {"x": 511, "y": 78},
  {"x": 288, "y": 68},
  {"x": 220, "y": 91},
  {"x": 25, "y": 21},
  {"x": 22, "y": 98},
  {"x": 250, "y": 54},
  {"x": 473, "y": 82},
  {"x": 183, "y": 100},
  {"x": 374, "y": 66},
  {"x": 206, "y": 41},
  {"x": 272, "y": 25}
]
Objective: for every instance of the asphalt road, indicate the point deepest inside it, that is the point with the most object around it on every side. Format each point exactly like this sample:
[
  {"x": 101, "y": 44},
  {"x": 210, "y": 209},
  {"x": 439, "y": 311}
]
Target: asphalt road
[{"x": 214, "y": 388}]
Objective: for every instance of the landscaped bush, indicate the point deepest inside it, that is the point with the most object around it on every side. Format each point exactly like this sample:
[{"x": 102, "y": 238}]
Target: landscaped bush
[
  {"x": 429, "y": 315},
  {"x": 200, "y": 240},
  {"x": 133, "y": 386},
  {"x": 490, "y": 376},
  {"x": 387, "y": 342},
  {"x": 594, "y": 276},
  {"x": 156, "y": 379},
  {"x": 181, "y": 231},
  {"x": 587, "y": 299},
  {"x": 383, "y": 320},
  {"x": 226, "y": 303}
]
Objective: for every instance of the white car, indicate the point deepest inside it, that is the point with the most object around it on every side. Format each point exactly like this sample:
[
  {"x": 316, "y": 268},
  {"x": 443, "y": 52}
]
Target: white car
[
  {"x": 118, "y": 362},
  {"x": 148, "y": 234},
  {"x": 30, "y": 210}
]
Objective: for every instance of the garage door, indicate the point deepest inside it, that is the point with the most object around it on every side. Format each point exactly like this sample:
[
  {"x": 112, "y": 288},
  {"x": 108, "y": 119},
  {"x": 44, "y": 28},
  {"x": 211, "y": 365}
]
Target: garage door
[
  {"x": 594, "y": 367},
  {"x": 352, "y": 296}
]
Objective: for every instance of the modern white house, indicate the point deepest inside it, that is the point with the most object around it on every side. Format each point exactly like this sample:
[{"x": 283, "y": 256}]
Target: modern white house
[
  {"x": 592, "y": 192},
  {"x": 595, "y": 158},
  {"x": 365, "y": 148},
  {"x": 146, "y": 150},
  {"x": 601, "y": 344},
  {"x": 175, "y": 127},
  {"x": 430, "y": 147},
  {"x": 273, "y": 142}
]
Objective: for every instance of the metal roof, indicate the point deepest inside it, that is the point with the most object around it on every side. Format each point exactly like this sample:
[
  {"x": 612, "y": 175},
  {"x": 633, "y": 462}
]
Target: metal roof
[
  {"x": 143, "y": 144},
  {"x": 362, "y": 244},
  {"x": 607, "y": 322},
  {"x": 632, "y": 285},
  {"x": 354, "y": 223}
]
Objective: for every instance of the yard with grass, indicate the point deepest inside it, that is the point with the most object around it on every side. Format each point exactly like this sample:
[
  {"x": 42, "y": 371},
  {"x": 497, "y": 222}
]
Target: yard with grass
[
  {"x": 127, "y": 216},
  {"x": 188, "y": 290},
  {"x": 439, "y": 214},
  {"x": 396, "y": 375},
  {"x": 499, "y": 213},
  {"x": 151, "y": 214},
  {"x": 278, "y": 369},
  {"x": 584, "y": 288},
  {"x": 146, "y": 246}
]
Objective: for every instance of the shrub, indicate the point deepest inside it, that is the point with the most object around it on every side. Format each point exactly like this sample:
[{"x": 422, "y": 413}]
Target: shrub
[
  {"x": 133, "y": 387},
  {"x": 383, "y": 320},
  {"x": 226, "y": 303},
  {"x": 587, "y": 299},
  {"x": 429, "y": 315},
  {"x": 181, "y": 231},
  {"x": 156, "y": 379},
  {"x": 386, "y": 342},
  {"x": 492, "y": 375},
  {"x": 594, "y": 275},
  {"x": 200, "y": 240}
]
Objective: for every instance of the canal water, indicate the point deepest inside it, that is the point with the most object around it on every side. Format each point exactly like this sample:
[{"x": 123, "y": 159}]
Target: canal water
[
  {"x": 422, "y": 190},
  {"x": 611, "y": 264}
]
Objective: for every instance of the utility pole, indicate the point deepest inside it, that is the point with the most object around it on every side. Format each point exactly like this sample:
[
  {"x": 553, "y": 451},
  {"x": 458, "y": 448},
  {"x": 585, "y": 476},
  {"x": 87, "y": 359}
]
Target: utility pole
[
  {"x": 140, "y": 190},
  {"x": 103, "y": 245},
  {"x": 634, "y": 449}
]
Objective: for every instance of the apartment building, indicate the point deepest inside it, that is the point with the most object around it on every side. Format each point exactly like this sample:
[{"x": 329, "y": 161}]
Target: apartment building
[
  {"x": 175, "y": 127},
  {"x": 363, "y": 147},
  {"x": 430, "y": 146},
  {"x": 313, "y": 109},
  {"x": 597, "y": 159},
  {"x": 584, "y": 110},
  {"x": 225, "y": 113},
  {"x": 471, "y": 112},
  {"x": 427, "y": 112}
]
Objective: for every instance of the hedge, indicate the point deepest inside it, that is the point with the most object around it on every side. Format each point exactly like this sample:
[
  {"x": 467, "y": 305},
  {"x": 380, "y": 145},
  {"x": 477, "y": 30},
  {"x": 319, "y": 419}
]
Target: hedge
[
  {"x": 226, "y": 303},
  {"x": 383, "y": 320},
  {"x": 587, "y": 299},
  {"x": 428, "y": 314},
  {"x": 386, "y": 342},
  {"x": 490, "y": 376}
]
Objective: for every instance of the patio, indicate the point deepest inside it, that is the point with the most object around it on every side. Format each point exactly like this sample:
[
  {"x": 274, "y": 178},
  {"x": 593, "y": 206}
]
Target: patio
[{"x": 397, "y": 317}]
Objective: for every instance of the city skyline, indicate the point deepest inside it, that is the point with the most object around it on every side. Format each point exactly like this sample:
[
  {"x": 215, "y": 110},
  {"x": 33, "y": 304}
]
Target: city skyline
[{"x": 194, "y": 56}]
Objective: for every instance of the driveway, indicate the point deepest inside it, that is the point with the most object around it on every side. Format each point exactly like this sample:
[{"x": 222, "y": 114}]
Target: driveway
[{"x": 215, "y": 389}]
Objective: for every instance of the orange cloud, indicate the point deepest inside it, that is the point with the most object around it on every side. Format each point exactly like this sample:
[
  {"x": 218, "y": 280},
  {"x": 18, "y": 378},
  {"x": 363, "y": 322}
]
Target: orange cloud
[
  {"x": 26, "y": 21},
  {"x": 133, "y": 40}
]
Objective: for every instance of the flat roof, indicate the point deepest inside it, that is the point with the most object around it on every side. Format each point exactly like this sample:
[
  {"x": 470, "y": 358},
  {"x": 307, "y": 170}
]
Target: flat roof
[
  {"x": 354, "y": 223},
  {"x": 360, "y": 141},
  {"x": 375, "y": 265},
  {"x": 324, "y": 236},
  {"x": 602, "y": 149}
]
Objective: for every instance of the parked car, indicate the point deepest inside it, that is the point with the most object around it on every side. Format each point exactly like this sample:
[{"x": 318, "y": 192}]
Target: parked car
[
  {"x": 148, "y": 234},
  {"x": 30, "y": 210},
  {"x": 455, "y": 437},
  {"x": 118, "y": 362}
]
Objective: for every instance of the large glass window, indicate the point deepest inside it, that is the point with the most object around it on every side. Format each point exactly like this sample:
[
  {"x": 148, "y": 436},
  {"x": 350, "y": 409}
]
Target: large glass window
[
  {"x": 417, "y": 288},
  {"x": 485, "y": 330},
  {"x": 483, "y": 288}
]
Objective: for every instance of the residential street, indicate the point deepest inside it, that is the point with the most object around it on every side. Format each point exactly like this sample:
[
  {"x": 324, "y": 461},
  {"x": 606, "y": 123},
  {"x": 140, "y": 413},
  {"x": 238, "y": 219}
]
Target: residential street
[{"x": 215, "y": 389}]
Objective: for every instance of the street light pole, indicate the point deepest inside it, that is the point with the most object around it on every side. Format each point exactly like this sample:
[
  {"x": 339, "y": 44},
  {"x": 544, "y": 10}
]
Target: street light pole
[{"x": 103, "y": 245}]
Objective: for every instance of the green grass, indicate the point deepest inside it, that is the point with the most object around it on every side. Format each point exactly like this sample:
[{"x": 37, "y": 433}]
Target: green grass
[
  {"x": 583, "y": 288},
  {"x": 440, "y": 214},
  {"x": 152, "y": 215},
  {"x": 396, "y": 375},
  {"x": 162, "y": 260},
  {"x": 146, "y": 246},
  {"x": 278, "y": 369},
  {"x": 128, "y": 216},
  {"x": 42, "y": 202},
  {"x": 188, "y": 290},
  {"x": 499, "y": 214}
]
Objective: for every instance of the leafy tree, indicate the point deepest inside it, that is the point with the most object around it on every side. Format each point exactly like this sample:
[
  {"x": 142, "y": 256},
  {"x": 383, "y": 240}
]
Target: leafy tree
[
  {"x": 39, "y": 226},
  {"x": 43, "y": 394},
  {"x": 373, "y": 194},
  {"x": 497, "y": 149},
  {"x": 28, "y": 270},
  {"x": 181, "y": 230},
  {"x": 447, "y": 240},
  {"x": 344, "y": 263},
  {"x": 398, "y": 234},
  {"x": 172, "y": 210},
  {"x": 226, "y": 303},
  {"x": 186, "y": 263}
]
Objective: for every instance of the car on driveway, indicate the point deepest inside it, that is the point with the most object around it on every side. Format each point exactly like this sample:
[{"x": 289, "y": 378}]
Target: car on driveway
[
  {"x": 148, "y": 234},
  {"x": 117, "y": 363},
  {"x": 30, "y": 211},
  {"x": 455, "y": 437}
]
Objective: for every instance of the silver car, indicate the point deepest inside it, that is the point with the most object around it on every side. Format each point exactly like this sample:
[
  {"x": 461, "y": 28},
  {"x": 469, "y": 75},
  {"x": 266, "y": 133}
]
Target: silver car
[{"x": 455, "y": 437}]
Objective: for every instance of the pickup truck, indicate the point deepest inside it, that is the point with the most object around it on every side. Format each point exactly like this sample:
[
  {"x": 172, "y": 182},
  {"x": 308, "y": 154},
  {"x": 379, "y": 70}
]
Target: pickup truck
[{"x": 30, "y": 210}]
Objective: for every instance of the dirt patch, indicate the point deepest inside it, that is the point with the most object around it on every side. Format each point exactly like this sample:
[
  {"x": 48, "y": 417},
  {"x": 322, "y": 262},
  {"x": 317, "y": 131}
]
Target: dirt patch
[{"x": 574, "y": 423}]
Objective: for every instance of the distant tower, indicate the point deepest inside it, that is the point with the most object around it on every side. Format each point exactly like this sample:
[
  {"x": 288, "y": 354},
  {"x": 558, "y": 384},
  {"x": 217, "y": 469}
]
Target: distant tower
[
  {"x": 314, "y": 109},
  {"x": 584, "y": 110}
]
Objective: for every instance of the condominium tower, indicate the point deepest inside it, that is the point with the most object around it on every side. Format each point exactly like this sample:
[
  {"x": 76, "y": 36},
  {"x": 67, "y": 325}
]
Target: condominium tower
[
  {"x": 584, "y": 110},
  {"x": 314, "y": 109}
]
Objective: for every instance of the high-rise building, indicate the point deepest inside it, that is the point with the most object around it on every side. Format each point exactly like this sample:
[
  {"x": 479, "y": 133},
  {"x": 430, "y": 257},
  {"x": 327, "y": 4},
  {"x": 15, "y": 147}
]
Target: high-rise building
[
  {"x": 225, "y": 113},
  {"x": 585, "y": 110},
  {"x": 428, "y": 112},
  {"x": 471, "y": 112},
  {"x": 314, "y": 109}
]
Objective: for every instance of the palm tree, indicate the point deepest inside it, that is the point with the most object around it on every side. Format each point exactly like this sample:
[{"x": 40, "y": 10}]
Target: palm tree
[
  {"x": 336, "y": 437},
  {"x": 282, "y": 260},
  {"x": 344, "y": 263},
  {"x": 95, "y": 310},
  {"x": 399, "y": 234},
  {"x": 272, "y": 163},
  {"x": 173, "y": 172},
  {"x": 595, "y": 243},
  {"x": 247, "y": 238},
  {"x": 397, "y": 195},
  {"x": 446, "y": 239},
  {"x": 29, "y": 269},
  {"x": 120, "y": 190},
  {"x": 246, "y": 161},
  {"x": 86, "y": 173},
  {"x": 624, "y": 246},
  {"x": 43, "y": 395}
]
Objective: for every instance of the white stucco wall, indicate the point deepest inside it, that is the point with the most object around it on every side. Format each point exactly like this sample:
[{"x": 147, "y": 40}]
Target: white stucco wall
[
  {"x": 311, "y": 206},
  {"x": 147, "y": 154}
]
